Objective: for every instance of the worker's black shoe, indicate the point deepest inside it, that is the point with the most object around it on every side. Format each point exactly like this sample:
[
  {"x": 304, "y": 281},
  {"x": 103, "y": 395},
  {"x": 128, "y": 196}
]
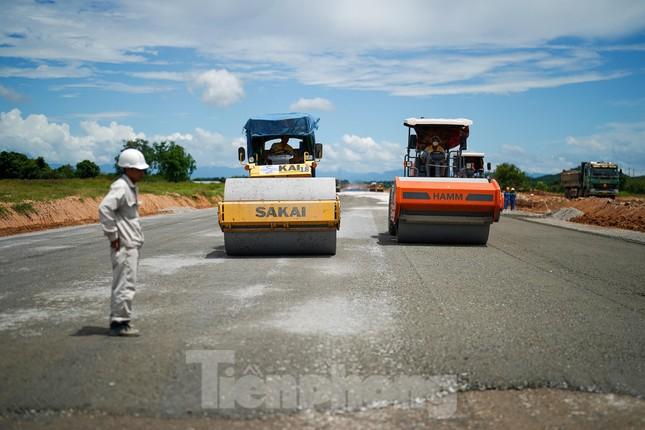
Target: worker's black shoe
[{"x": 123, "y": 329}]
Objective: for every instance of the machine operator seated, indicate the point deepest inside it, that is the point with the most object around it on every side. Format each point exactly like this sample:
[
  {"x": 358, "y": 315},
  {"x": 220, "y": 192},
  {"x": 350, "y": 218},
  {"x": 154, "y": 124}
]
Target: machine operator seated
[
  {"x": 281, "y": 152},
  {"x": 473, "y": 169},
  {"x": 433, "y": 157}
]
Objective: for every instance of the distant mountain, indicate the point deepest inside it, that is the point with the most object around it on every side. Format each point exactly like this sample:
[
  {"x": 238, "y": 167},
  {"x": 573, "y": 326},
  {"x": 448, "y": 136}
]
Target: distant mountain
[
  {"x": 537, "y": 175},
  {"x": 547, "y": 179},
  {"x": 387, "y": 175},
  {"x": 216, "y": 172}
]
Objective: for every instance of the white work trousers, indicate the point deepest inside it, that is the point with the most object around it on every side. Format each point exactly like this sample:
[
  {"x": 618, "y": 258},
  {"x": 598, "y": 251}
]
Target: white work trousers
[{"x": 124, "y": 279}]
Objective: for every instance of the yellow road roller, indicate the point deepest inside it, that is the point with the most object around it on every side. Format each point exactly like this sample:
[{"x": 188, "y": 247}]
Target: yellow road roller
[{"x": 281, "y": 208}]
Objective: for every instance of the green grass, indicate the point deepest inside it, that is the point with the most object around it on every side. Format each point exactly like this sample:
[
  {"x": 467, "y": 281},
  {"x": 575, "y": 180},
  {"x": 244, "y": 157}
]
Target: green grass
[
  {"x": 23, "y": 208},
  {"x": 4, "y": 212},
  {"x": 630, "y": 194},
  {"x": 21, "y": 190}
]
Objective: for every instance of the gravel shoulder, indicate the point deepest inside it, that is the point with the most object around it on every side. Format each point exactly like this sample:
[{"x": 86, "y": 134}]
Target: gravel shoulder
[{"x": 617, "y": 233}]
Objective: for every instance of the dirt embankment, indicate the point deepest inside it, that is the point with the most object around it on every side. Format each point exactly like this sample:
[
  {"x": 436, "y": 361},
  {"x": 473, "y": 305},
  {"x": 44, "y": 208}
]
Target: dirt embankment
[
  {"x": 34, "y": 216},
  {"x": 623, "y": 212}
]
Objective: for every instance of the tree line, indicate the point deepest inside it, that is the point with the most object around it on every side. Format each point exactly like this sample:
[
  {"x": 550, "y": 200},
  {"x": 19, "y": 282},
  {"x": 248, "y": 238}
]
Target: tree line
[
  {"x": 166, "y": 159},
  {"x": 15, "y": 165}
]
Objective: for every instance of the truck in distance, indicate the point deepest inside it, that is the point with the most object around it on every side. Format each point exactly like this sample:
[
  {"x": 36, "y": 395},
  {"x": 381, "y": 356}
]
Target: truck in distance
[{"x": 591, "y": 178}]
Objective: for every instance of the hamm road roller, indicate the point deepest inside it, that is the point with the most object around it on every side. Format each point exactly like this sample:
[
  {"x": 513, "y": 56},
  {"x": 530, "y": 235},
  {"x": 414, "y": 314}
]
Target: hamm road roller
[
  {"x": 445, "y": 195},
  {"x": 281, "y": 208}
]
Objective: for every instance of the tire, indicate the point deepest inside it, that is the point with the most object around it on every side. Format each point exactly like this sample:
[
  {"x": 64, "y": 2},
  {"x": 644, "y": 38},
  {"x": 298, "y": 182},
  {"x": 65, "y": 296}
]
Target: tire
[{"x": 391, "y": 227}]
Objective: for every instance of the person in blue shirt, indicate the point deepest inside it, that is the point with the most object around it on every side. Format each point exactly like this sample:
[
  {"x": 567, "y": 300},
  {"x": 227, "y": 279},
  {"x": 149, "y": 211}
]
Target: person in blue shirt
[
  {"x": 507, "y": 197},
  {"x": 512, "y": 199}
]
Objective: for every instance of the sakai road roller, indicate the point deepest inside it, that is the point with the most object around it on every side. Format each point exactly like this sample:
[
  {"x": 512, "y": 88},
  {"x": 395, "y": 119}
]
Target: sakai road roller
[
  {"x": 281, "y": 208},
  {"x": 445, "y": 195}
]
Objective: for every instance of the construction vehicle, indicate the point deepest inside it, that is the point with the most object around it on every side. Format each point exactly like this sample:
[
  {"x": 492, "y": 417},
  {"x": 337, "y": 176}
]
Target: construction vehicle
[
  {"x": 376, "y": 186},
  {"x": 281, "y": 208},
  {"x": 591, "y": 178},
  {"x": 444, "y": 195}
]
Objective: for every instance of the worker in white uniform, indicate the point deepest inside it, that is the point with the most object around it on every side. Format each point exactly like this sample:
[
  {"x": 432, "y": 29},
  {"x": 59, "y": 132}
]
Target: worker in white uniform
[{"x": 119, "y": 216}]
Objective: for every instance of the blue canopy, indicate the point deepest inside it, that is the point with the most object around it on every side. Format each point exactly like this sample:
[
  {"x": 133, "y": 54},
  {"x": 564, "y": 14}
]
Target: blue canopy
[{"x": 293, "y": 124}]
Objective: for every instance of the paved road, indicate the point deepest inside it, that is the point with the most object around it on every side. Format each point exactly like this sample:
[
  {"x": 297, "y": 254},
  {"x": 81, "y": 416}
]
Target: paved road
[{"x": 538, "y": 307}]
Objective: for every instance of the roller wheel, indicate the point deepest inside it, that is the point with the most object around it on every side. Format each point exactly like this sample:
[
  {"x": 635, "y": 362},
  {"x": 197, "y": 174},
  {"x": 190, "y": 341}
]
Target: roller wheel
[{"x": 391, "y": 227}]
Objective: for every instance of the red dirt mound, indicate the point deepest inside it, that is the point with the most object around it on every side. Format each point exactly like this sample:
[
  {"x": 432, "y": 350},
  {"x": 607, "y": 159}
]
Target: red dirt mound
[
  {"x": 624, "y": 212},
  {"x": 74, "y": 210}
]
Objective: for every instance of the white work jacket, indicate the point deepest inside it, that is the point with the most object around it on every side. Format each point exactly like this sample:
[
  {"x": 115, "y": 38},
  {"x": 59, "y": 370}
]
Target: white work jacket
[{"x": 119, "y": 213}]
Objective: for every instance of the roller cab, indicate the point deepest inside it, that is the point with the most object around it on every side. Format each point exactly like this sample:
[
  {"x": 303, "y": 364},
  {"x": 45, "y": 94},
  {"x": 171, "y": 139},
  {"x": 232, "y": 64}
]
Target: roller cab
[
  {"x": 281, "y": 207},
  {"x": 445, "y": 195}
]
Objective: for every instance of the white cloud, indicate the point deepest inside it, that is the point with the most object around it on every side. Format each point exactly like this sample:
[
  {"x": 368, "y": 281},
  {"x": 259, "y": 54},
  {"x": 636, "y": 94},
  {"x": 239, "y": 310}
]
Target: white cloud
[
  {"x": 316, "y": 103},
  {"x": 621, "y": 143},
  {"x": 10, "y": 94},
  {"x": 44, "y": 71},
  {"x": 220, "y": 87},
  {"x": 98, "y": 116},
  {"x": 513, "y": 151},
  {"x": 37, "y": 136},
  {"x": 118, "y": 87},
  {"x": 160, "y": 75},
  {"x": 207, "y": 148},
  {"x": 412, "y": 47},
  {"x": 362, "y": 154}
]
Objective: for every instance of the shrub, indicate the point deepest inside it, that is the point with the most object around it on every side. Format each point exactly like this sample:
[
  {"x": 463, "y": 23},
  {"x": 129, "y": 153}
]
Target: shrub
[{"x": 87, "y": 169}]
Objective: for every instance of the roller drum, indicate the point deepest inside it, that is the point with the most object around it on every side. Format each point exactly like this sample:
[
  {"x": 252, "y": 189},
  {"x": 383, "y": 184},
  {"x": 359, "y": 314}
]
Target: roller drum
[
  {"x": 476, "y": 234},
  {"x": 281, "y": 243},
  {"x": 284, "y": 236},
  {"x": 272, "y": 189}
]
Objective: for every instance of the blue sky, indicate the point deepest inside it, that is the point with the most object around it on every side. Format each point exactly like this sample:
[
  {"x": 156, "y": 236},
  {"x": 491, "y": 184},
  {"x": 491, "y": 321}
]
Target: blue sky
[{"x": 548, "y": 84}]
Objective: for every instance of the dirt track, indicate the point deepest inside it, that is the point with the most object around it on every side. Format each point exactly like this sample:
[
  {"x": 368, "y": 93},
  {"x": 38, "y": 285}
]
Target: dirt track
[
  {"x": 626, "y": 213},
  {"x": 75, "y": 211}
]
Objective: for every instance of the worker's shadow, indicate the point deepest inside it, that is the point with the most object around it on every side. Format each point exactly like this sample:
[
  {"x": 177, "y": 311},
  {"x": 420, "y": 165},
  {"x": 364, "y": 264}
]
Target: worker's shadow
[
  {"x": 386, "y": 239},
  {"x": 90, "y": 330}
]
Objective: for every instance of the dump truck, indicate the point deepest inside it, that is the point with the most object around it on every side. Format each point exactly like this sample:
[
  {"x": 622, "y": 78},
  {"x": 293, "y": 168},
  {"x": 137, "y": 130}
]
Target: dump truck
[
  {"x": 281, "y": 208},
  {"x": 591, "y": 178},
  {"x": 444, "y": 195}
]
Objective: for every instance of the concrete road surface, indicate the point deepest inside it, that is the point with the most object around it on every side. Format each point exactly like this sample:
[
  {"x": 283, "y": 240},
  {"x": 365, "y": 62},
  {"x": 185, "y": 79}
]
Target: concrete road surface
[{"x": 537, "y": 307}]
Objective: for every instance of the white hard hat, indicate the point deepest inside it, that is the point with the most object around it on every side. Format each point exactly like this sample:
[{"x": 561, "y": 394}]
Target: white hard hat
[{"x": 132, "y": 158}]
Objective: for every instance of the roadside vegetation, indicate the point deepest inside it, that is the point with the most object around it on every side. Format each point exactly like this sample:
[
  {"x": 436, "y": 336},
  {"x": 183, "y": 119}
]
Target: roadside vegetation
[
  {"x": 20, "y": 190},
  {"x": 24, "y": 179},
  {"x": 509, "y": 175},
  {"x": 23, "y": 208}
]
